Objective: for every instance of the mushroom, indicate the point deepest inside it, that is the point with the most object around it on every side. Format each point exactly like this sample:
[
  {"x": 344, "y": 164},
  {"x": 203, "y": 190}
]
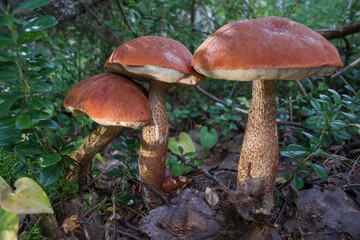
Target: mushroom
[
  {"x": 160, "y": 61},
  {"x": 112, "y": 101},
  {"x": 262, "y": 50}
]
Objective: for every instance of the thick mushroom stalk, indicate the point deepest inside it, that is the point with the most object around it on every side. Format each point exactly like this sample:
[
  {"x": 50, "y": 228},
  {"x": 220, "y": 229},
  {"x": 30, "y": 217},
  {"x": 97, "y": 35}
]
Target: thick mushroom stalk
[
  {"x": 154, "y": 142},
  {"x": 96, "y": 141},
  {"x": 260, "y": 150}
]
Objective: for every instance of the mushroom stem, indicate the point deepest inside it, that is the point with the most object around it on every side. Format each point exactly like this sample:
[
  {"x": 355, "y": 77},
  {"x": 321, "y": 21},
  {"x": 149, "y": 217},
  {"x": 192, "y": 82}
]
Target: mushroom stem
[
  {"x": 96, "y": 141},
  {"x": 260, "y": 150},
  {"x": 154, "y": 143}
]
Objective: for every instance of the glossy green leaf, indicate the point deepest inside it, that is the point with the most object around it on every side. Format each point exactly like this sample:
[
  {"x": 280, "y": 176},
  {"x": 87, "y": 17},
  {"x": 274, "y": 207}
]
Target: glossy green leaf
[
  {"x": 336, "y": 95},
  {"x": 9, "y": 101},
  {"x": 7, "y": 20},
  {"x": 316, "y": 105},
  {"x": 337, "y": 124},
  {"x": 312, "y": 138},
  {"x": 72, "y": 145},
  {"x": 208, "y": 139},
  {"x": 342, "y": 135},
  {"x": 29, "y": 198},
  {"x": 349, "y": 115},
  {"x": 31, "y": 4},
  {"x": 41, "y": 87},
  {"x": 40, "y": 103},
  {"x": 28, "y": 149},
  {"x": 9, "y": 224},
  {"x": 9, "y": 133},
  {"x": 47, "y": 160},
  {"x": 285, "y": 175},
  {"x": 50, "y": 175},
  {"x": 39, "y": 24},
  {"x": 6, "y": 40},
  {"x": 26, "y": 120},
  {"x": 30, "y": 37},
  {"x": 319, "y": 171},
  {"x": 326, "y": 140},
  {"x": 297, "y": 151},
  {"x": 49, "y": 123},
  {"x": 298, "y": 182}
]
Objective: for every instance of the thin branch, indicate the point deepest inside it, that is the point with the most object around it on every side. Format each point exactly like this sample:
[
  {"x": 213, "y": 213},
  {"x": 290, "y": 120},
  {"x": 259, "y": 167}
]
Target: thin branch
[
  {"x": 162, "y": 22},
  {"x": 347, "y": 12},
  {"x": 111, "y": 229},
  {"x": 302, "y": 89},
  {"x": 125, "y": 20},
  {"x": 341, "y": 32},
  {"x": 242, "y": 111},
  {"x": 186, "y": 161},
  {"x": 351, "y": 65}
]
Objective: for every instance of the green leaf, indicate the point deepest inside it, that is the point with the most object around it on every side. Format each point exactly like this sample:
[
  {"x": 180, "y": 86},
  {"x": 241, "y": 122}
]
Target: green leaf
[
  {"x": 326, "y": 140},
  {"x": 41, "y": 103},
  {"x": 298, "y": 182},
  {"x": 319, "y": 171},
  {"x": 9, "y": 224},
  {"x": 72, "y": 145},
  {"x": 47, "y": 160},
  {"x": 208, "y": 139},
  {"x": 39, "y": 24},
  {"x": 9, "y": 101},
  {"x": 51, "y": 124},
  {"x": 337, "y": 124},
  {"x": 342, "y": 135},
  {"x": 30, "y": 37},
  {"x": 285, "y": 176},
  {"x": 336, "y": 95},
  {"x": 312, "y": 138},
  {"x": 184, "y": 141},
  {"x": 31, "y": 4},
  {"x": 349, "y": 116},
  {"x": 49, "y": 175},
  {"x": 29, "y": 198},
  {"x": 331, "y": 156},
  {"x": 315, "y": 105},
  {"x": 181, "y": 150},
  {"x": 6, "y": 40},
  {"x": 9, "y": 133},
  {"x": 26, "y": 120},
  {"x": 8, "y": 20},
  {"x": 41, "y": 87},
  {"x": 312, "y": 120},
  {"x": 28, "y": 149},
  {"x": 297, "y": 151},
  {"x": 100, "y": 158}
]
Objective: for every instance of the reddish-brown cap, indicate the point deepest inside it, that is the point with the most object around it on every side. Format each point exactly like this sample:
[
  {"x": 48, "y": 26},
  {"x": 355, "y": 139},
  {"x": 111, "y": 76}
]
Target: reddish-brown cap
[
  {"x": 109, "y": 100},
  {"x": 265, "y": 48},
  {"x": 153, "y": 57}
]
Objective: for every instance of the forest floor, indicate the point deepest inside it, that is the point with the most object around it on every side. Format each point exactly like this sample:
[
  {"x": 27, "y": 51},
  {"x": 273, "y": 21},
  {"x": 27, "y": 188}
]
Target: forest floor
[{"x": 320, "y": 210}]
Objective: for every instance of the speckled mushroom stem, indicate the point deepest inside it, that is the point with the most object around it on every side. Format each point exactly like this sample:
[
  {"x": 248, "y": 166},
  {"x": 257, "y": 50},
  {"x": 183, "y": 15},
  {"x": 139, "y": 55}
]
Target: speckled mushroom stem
[
  {"x": 154, "y": 143},
  {"x": 96, "y": 141},
  {"x": 260, "y": 150}
]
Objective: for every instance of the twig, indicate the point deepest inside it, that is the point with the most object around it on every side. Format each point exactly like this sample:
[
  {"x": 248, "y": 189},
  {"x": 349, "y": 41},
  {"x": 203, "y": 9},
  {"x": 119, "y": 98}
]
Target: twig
[
  {"x": 162, "y": 22},
  {"x": 347, "y": 12},
  {"x": 341, "y": 32},
  {"x": 111, "y": 229},
  {"x": 242, "y": 111},
  {"x": 302, "y": 89},
  {"x": 280, "y": 214},
  {"x": 124, "y": 17},
  {"x": 186, "y": 161},
  {"x": 133, "y": 227},
  {"x": 351, "y": 65}
]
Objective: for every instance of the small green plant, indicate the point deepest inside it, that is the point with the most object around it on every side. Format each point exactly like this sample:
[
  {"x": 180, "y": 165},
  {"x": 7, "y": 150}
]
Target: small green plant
[
  {"x": 29, "y": 198},
  {"x": 208, "y": 138},
  {"x": 186, "y": 148}
]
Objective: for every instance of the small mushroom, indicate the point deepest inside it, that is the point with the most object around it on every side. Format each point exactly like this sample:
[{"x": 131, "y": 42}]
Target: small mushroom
[
  {"x": 262, "y": 50},
  {"x": 160, "y": 61},
  {"x": 112, "y": 101}
]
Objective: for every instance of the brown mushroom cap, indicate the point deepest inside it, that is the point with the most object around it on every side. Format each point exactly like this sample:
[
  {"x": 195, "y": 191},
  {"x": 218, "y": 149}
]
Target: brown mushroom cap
[
  {"x": 153, "y": 57},
  {"x": 109, "y": 100},
  {"x": 265, "y": 48}
]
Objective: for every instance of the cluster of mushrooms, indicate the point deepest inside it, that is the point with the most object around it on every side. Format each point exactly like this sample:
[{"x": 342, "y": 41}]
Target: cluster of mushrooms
[{"x": 258, "y": 50}]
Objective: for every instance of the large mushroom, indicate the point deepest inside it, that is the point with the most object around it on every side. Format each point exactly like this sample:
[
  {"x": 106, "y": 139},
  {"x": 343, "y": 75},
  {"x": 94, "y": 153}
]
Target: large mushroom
[
  {"x": 160, "y": 61},
  {"x": 262, "y": 50},
  {"x": 112, "y": 101}
]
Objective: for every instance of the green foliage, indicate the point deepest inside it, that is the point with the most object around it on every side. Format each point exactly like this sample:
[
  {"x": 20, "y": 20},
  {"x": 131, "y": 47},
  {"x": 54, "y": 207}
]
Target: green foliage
[
  {"x": 184, "y": 147},
  {"x": 208, "y": 139}
]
